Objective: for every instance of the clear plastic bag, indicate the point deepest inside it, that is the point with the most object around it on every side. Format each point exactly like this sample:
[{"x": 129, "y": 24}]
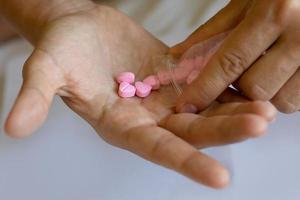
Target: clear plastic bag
[{"x": 179, "y": 72}]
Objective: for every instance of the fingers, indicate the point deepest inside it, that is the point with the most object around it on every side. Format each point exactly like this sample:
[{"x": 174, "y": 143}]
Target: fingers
[
  {"x": 224, "y": 20},
  {"x": 231, "y": 95},
  {"x": 287, "y": 100},
  {"x": 218, "y": 130},
  {"x": 6, "y": 32},
  {"x": 241, "y": 48},
  {"x": 260, "y": 108},
  {"x": 34, "y": 99},
  {"x": 162, "y": 147},
  {"x": 265, "y": 78}
]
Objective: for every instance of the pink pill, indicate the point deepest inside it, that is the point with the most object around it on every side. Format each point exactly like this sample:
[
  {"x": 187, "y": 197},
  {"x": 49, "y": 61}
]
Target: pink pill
[
  {"x": 200, "y": 62},
  {"x": 193, "y": 75},
  {"x": 142, "y": 89},
  {"x": 127, "y": 77},
  {"x": 187, "y": 64},
  {"x": 152, "y": 81},
  {"x": 126, "y": 90},
  {"x": 164, "y": 77},
  {"x": 180, "y": 73},
  {"x": 182, "y": 70}
]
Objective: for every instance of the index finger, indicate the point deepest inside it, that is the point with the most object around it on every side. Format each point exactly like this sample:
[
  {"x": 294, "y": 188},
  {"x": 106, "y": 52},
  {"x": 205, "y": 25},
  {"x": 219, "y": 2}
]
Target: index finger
[
  {"x": 164, "y": 148},
  {"x": 241, "y": 48}
]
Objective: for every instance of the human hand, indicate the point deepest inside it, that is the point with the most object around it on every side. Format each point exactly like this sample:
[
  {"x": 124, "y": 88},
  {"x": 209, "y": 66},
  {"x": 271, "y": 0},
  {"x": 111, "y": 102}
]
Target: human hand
[
  {"x": 259, "y": 57},
  {"x": 6, "y": 32},
  {"x": 78, "y": 56}
]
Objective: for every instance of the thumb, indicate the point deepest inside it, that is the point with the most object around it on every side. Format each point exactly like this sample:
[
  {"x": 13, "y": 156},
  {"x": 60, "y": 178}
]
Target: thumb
[
  {"x": 225, "y": 20},
  {"x": 35, "y": 97}
]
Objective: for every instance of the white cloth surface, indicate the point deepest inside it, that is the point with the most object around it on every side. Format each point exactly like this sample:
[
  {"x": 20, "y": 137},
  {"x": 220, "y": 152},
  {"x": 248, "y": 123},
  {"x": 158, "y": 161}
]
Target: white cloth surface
[
  {"x": 169, "y": 20},
  {"x": 66, "y": 160}
]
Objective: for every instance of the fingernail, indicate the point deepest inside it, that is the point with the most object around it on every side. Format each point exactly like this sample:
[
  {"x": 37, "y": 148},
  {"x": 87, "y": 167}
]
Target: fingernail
[{"x": 189, "y": 108}]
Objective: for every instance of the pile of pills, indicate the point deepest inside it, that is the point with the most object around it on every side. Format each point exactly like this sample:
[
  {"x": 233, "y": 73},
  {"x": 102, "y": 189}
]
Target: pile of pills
[
  {"x": 129, "y": 88},
  {"x": 184, "y": 72}
]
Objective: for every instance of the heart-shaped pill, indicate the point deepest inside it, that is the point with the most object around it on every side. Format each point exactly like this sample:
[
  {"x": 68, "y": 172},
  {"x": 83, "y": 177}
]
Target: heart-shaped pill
[
  {"x": 142, "y": 89},
  {"x": 164, "y": 77},
  {"x": 126, "y": 90},
  {"x": 187, "y": 64},
  {"x": 200, "y": 62},
  {"x": 193, "y": 75},
  {"x": 153, "y": 81},
  {"x": 127, "y": 77}
]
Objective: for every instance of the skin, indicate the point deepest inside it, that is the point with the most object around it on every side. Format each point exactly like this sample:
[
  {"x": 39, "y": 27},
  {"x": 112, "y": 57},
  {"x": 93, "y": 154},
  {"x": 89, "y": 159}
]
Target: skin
[
  {"x": 77, "y": 56},
  {"x": 257, "y": 26},
  {"x": 6, "y": 32}
]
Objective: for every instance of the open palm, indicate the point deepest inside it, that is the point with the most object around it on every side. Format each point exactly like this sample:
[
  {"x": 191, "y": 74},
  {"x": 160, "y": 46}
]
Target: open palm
[{"x": 77, "y": 58}]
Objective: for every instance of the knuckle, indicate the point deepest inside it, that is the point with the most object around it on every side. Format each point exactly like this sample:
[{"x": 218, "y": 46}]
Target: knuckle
[
  {"x": 284, "y": 105},
  {"x": 283, "y": 10},
  {"x": 257, "y": 92},
  {"x": 233, "y": 64}
]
